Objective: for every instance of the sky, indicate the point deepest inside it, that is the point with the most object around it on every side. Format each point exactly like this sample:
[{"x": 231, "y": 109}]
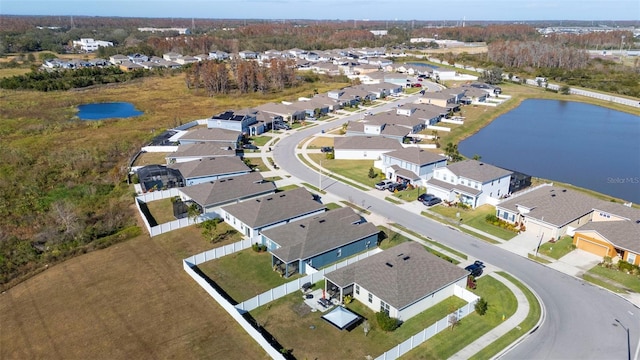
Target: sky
[{"x": 499, "y": 10}]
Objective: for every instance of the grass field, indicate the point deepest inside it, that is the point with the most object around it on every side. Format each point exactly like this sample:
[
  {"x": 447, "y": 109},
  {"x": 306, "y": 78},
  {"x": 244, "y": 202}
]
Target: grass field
[
  {"x": 558, "y": 249},
  {"x": 151, "y": 158},
  {"x": 131, "y": 300},
  {"x": 475, "y": 218},
  {"x": 161, "y": 210},
  {"x": 626, "y": 281}
]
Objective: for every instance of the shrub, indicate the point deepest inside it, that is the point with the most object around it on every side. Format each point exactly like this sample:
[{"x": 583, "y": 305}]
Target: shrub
[
  {"x": 490, "y": 218},
  {"x": 348, "y": 299},
  {"x": 481, "y": 306},
  {"x": 372, "y": 173},
  {"x": 386, "y": 322}
]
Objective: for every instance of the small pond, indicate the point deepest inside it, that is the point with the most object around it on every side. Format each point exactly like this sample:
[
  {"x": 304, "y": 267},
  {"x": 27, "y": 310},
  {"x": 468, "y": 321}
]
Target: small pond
[
  {"x": 111, "y": 110},
  {"x": 422, "y": 65}
]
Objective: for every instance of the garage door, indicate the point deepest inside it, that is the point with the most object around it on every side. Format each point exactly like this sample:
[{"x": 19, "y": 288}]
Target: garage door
[{"x": 592, "y": 247}]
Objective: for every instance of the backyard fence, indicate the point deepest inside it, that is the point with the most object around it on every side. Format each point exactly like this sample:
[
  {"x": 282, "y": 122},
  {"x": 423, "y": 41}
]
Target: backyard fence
[
  {"x": 217, "y": 253},
  {"x": 295, "y": 285},
  {"x": 427, "y": 333},
  {"x": 159, "y": 149},
  {"x": 255, "y": 334},
  {"x": 141, "y": 201}
]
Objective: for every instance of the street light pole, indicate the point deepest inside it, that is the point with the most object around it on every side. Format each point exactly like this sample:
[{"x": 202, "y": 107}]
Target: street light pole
[
  {"x": 628, "y": 339},
  {"x": 320, "y": 180}
]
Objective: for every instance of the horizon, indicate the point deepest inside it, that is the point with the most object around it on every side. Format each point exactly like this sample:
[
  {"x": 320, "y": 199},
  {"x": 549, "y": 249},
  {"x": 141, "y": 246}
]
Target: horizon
[{"x": 334, "y": 10}]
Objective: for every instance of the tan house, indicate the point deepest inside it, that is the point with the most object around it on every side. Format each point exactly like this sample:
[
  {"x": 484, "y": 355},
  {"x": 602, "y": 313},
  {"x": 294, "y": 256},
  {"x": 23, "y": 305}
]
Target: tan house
[{"x": 610, "y": 238}]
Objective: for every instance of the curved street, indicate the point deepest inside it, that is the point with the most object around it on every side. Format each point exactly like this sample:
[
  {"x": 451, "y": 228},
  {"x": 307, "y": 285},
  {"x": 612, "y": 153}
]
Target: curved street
[{"x": 580, "y": 319}]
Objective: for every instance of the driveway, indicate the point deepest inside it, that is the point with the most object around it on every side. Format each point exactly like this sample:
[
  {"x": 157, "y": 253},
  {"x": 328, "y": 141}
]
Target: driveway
[{"x": 576, "y": 263}]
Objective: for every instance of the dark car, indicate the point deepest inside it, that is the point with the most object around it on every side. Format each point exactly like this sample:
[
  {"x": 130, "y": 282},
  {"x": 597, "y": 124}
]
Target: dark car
[
  {"x": 476, "y": 268},
  {"x": 326, "y": 149},
  {"x": 429, "y": 199},
  {"x": 397, "y": 186}
]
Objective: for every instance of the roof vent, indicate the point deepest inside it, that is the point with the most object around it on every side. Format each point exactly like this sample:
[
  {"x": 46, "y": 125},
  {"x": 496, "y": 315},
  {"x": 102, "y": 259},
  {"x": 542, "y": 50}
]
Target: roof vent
[
  {"x": 302, "y": 226},
  {"x": 321, "y": 221},
  {"x": 389, "y": 265},
  {"x": 564, "y": 190},
  {"x": 406, "y": 258},
  {"x": 553, "y": 195},
  {"x": 481, "y": 164},
  {"x": 283, "y": 195}
]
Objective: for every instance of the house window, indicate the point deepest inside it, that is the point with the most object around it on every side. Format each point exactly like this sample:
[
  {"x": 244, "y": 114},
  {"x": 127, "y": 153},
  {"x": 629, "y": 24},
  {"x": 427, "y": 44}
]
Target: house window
[
  {"x": 631, "y": 258},
  {"x": 490, "y": 194},
  {"x": 384, "y": 307},
  {"x": 491, "y": 182},
  {"x": 370, "y": 297},
  {"x": 226, "y": 216},
  {"x": 357, "y": 289},
  {"x": 444, "y": 177},
  {"x": 368, "y": 243},
  {"x": 339, "y": 252}
]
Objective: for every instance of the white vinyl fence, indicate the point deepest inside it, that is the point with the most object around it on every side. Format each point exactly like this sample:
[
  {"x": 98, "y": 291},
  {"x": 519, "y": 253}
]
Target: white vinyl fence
[
  {"x": 295, "y": 285},
  {"x": 426, "y": 334},
  {"x": 255, "y": 334},
  {"x": 217, "y": 253},
  {"x": 169, "y": 226}
]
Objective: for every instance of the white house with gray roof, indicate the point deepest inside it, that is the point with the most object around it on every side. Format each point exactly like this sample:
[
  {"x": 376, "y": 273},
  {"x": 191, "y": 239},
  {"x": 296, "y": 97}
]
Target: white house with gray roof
[
  {"x": 413, "y": 165},
  {"x": 210, "y": 196},
  {"x": 255, "y": 215},
  {"x": 210, "y": 169},
  {"x": 198, "y": 151},
  {"x": 319, "y": 240},
  {"x": 363, "y": 147},
  {"x": 402, "y": 281},
  {"x": 220, "y": 137},
  {"x": 472, "y": 182}
]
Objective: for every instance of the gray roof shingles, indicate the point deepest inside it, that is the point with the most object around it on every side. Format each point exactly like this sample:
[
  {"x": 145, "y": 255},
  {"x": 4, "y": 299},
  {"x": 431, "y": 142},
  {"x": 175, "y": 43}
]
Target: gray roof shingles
[
  {"x": 477, "y": 170},
  {"x": 401, "y": 275},
  {"x": 625, "y": 234},
  {"x": 416, "y": 155},
  {"x": 211, "y": 167},
  {"x": 274, "y": 208},
  {"x": 308, "y": 237},
  {"x": 229, "y": 189}
]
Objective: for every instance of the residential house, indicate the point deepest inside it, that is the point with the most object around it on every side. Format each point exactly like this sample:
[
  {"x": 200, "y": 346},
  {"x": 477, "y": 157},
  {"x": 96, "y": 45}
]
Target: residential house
[
  {"x": 138, "y": 58},
  {"x": 255, "y": 215},
  {"x": 223, "y": 138},
  {"x": 363, "y": 147},
  {"x": 548, "y": 212},
  {"x": 218, "y": 55},
  {"x": 402, "y": 281},
  {"x": 412, "y": 165},
  {"x": 248, "y": 55},
  {"x": 210, "y": 169},
  {"x": 130, "y": 66},
  {"x": 318, "y": 241},
  {"x": 118, "y": 59},
  {"x": 197, "y": 151},
  {"x": 90, "y": 45},
  {"x": 171, "y": 56},
  {"x": 210, "y": 196},
  {"x": 184, "y": 60},
  {"x": 243, "y": 121},
  {"x": 471, "y": 182},
  {"x": 615, "y": 239},
  {"x": 286, "y": 112}
]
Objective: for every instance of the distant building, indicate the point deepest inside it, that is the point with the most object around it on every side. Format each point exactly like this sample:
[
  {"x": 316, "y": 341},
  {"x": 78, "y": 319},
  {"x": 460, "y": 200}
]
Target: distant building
[
  {"x": 181, "y": 31},
  {"x": 90, "y": 45}
]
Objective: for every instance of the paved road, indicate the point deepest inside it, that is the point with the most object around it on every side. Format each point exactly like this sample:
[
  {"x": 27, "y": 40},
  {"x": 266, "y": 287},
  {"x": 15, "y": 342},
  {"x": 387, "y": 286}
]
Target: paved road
[{"x": 579, "y": 317}]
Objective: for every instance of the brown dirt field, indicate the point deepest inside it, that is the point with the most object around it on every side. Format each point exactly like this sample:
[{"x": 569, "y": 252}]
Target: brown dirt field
[{"x": 130, "y": 301}]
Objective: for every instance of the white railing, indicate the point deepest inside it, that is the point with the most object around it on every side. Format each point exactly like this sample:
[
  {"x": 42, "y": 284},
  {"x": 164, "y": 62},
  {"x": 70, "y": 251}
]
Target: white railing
[
  {"x": 439, "y": 128},
  {"x": 228, "y": 307},
  {"x": 219, "y": 252},
  {"x": 426, "y": 334},
  {"x": 295, "y": 285},
  {"x": 159, "y": 149}
]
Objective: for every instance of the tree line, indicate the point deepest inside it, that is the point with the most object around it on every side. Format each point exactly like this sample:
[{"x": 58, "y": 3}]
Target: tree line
[
  {"x": 537, "y": 54},
  {"x": 245, "y": 76}
]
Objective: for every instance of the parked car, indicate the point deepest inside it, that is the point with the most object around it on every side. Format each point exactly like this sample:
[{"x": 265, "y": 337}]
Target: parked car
[
  {"x": 429, "y": 199},
  {"x": 397, "y": 186},
  {"x": 384, "y": 184},
  {"x": 476, "y": 268},
  {"x": 281, "y": 126},
  {"x": 416, "y": 85},
  {"x": 326, "y": 149}
]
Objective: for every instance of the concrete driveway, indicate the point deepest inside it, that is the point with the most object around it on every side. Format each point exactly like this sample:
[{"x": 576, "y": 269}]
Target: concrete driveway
[{"x": 576, "y": 263}]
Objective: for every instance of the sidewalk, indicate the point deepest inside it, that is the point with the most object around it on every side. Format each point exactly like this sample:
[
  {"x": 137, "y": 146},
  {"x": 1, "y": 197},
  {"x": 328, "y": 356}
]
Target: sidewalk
[{"x": 485, "y": 340}]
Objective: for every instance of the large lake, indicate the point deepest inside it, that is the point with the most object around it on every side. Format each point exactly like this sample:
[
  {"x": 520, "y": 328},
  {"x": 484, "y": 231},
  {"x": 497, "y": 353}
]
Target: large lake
[
  {"x": 99, "y": 111},
  {"x": 585, "y": 145}
]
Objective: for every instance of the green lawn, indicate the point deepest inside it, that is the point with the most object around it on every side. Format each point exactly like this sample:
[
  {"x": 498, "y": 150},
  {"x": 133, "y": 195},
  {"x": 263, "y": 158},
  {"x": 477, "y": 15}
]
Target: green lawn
[
  {"x": 628, "y": 281},
  {"x": 332, "y": 206},
  {"x": 409, "y": 194},
  {"x": 393, "y": 200},
  {"x": 356, "y": 207},
  {"x": 442, "y": 346},
  {"x": 475, "y": 218},
  {"x": 261, "y": 140},
  {"x": 308, "y": 336},
  {"x": 532, "y": 319},
  {"x": 558, "y": 249},
  {"x": 244, "y": 274},
  {"x": 356, "y": 170},
  {"x": 430, "y": 241},
  {"x": 391, "y": 238},
  {"x": 288, "y": 187}
]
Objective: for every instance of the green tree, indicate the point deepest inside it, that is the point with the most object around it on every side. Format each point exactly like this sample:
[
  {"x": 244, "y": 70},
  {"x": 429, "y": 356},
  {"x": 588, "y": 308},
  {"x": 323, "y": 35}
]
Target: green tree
[
  {"x": 451, "y": 151},
  {"x": 372, "y": 173},
  {"x": 481, "y": 306},
  {"x": 565, "y": 90},
  {"x": 477, "y": 157}
]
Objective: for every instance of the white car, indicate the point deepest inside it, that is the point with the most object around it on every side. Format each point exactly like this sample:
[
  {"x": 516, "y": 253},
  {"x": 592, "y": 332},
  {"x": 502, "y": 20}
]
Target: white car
[{"x": 384, "y": 184}]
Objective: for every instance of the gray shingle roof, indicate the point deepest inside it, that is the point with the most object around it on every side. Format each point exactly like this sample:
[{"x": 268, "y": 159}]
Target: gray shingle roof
[
  {"x": 416, "y": 155},
  {"x": 211, "y": 167},
  {"x": 229, "y": 189},
  {"x": 305, "y": 238},
  {"x": 274, "y": 208},
  {"x": 477, "y": 170},
  {"x": 202, "y": 150},
  {"x": 624, "y": 234},
  {"x": 448, "y": 186},
  {"x": 558, "y": 206},
  {"x": 401, "y": 275},
  {"x": 215, "y": 134},
  {"x": 366, "y": 143}
]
